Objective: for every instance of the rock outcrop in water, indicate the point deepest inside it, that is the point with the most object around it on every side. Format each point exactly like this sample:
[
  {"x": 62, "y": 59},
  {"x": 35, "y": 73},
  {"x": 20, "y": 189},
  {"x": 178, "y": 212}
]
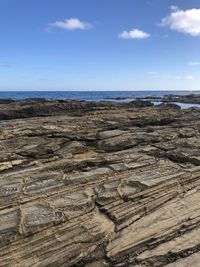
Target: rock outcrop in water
[
  {"x": 191, "y": 98},
  {"x": 98, "y": 184}
]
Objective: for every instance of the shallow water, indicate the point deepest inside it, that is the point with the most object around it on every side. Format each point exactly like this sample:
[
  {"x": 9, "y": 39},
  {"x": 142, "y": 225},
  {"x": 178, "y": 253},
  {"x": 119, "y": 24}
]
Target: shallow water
[{"x": 182, "y": 105}]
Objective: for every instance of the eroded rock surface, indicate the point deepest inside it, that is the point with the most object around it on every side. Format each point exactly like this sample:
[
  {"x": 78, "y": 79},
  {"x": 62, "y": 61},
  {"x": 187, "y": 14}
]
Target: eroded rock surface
[{"x": 98, "y": 184}]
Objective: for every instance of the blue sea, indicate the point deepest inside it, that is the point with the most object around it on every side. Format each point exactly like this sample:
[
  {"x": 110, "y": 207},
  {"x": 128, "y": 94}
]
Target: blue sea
[
  {"x": 87, "y": 95},
  {"x": 93, "y": 95}
]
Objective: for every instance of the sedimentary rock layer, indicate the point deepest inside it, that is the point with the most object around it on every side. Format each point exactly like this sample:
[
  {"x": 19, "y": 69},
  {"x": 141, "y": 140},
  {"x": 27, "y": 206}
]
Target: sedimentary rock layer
[{"x": 98, "y": 184}]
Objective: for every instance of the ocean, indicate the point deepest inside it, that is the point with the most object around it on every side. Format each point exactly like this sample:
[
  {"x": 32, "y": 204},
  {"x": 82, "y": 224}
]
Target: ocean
[
  {"x": 89, "y": 95},
  {"x": 95, "y": 95}
]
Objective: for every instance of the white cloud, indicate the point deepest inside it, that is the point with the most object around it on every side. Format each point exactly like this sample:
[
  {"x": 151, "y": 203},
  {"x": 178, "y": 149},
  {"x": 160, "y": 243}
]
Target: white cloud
[
  {"x": 194, "y": 63},
  {"x": 134, "y": 34},
  {"x": 70, "y": 24},
  {"x": 186, "y": 21}
]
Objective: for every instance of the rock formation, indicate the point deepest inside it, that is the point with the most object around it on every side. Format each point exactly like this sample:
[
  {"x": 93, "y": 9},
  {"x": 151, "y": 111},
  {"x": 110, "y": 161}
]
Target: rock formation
[
  {"x": 191, "y": 98},
  {"x": 98, "y": 184}
]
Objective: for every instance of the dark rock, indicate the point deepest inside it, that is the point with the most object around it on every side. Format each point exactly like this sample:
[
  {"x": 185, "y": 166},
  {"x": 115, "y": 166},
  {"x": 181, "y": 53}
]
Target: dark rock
[
  {"x": 169, "y": 105},
  {"x": 6, "y": 101},
  {"x": 141, "y": 104}
]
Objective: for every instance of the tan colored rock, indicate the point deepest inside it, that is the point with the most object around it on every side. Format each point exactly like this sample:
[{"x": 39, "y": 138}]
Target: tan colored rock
[{"x": 98, "y": 184}]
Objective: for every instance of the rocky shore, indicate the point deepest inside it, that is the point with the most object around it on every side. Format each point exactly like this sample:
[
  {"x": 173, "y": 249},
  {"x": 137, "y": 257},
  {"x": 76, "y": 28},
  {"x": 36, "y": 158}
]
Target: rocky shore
[
  {"x": 171, "y": 98},
  {"x": 98, "y": 184},
  {"x": 190, "y": 99}
]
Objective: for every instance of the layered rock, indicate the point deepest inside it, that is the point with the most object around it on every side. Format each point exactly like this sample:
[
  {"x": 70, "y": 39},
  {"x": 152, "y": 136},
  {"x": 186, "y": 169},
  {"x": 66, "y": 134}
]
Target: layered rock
[{"x": 98, "y": 184}]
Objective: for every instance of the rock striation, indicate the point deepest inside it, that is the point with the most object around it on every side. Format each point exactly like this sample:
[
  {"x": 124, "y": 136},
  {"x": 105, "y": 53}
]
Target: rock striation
[{"x": 98, "y": 184}]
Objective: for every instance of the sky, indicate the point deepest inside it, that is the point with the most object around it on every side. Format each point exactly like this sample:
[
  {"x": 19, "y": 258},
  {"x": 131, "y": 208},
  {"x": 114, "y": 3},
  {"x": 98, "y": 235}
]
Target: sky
[{"x": 99, "y": 45}]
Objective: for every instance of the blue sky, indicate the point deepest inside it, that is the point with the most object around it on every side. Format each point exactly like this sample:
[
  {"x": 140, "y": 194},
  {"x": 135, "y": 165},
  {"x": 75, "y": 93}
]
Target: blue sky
[{"x": 99, "y": 44}]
